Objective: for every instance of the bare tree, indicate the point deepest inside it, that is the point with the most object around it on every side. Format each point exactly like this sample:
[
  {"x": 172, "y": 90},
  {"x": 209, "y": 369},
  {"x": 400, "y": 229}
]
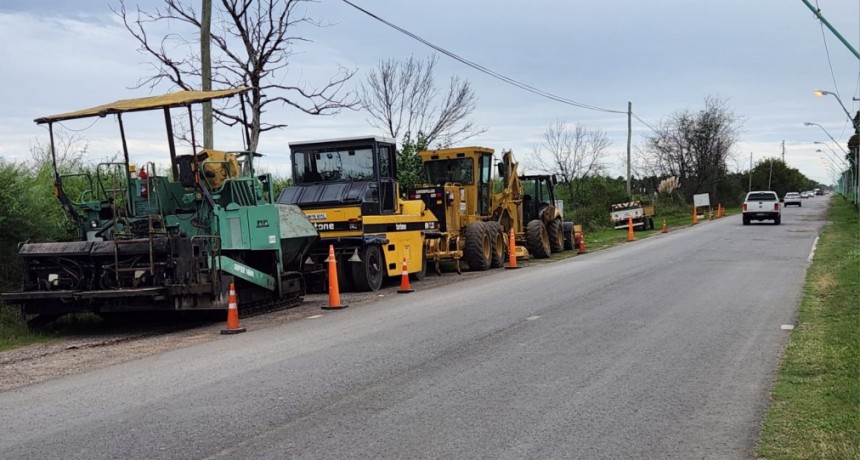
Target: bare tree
[
  {"x": 253, "y": 43},
  {"x": 693, "y": 146},
  {"x": 402, "y": 99},
  {"x": 570, "y": 152}
]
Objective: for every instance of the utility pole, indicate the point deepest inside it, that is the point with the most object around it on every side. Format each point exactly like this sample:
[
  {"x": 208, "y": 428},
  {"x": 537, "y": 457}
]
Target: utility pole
[
  {"x": 770, "y": 176},
  {"x": 783, "y": 151},
  {"x": 629, "y": 136},
  {"x": 206, "y": 64},
  {"x": 749, "y": 188}
]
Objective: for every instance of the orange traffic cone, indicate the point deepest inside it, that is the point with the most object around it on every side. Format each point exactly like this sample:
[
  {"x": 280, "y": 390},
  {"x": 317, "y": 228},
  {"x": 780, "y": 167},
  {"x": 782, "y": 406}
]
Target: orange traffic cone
[
  {"x": 630, "y": 236},
  {"x": 404, "y": 280},
  {"x": 232, "y": 314},
  {"x": 665, "y": 228},
  {"x": 695, "y": 216},
  {"x": 333, "y": 289},
  {"x": 719, "y": 210},
  {"x": 512, "y": 251},
  {"x": 581, "y": 244}
]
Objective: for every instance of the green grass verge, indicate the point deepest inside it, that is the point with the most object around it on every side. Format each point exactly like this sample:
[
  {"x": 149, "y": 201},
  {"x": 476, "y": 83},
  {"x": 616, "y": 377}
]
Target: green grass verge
[
  {"x": 815, "y": 403},
  {"x": 14, "y": 332}
]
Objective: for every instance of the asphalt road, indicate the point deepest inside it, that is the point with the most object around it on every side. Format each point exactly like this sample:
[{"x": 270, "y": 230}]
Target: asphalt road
[{"x": 664, "y": 348}]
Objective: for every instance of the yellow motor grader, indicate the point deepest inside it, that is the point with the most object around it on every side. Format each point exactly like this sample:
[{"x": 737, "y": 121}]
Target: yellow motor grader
[{"x": 477, "y": 212}]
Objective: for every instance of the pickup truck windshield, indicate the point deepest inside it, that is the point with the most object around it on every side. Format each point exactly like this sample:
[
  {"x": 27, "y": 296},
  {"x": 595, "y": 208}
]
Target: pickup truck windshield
[{"x": 762, "y": 197}]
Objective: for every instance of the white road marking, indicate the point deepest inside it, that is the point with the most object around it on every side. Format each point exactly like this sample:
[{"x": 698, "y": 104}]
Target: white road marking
[
  {"x": 787, "y": 327},
  {"x": 532, "y": 318},
  {"x": 812, "y": 251},
  {"x": 314, "y": 317}
]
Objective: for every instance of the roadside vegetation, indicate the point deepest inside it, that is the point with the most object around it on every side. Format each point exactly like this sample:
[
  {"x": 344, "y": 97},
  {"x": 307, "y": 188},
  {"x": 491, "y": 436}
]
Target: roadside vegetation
[{"x": 815, "y": 407}]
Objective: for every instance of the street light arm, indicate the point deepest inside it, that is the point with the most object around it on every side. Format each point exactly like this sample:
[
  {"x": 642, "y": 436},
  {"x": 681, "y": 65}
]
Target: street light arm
[
  {"x": 818, "y": 15},
  {"x": 809, "y": 123}
]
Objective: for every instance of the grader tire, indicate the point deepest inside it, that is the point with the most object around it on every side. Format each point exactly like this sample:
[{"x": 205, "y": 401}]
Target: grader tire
[
  {"x": 538, "y": 239},
  {"x": 478, "y": 251},
  {"x": 497, "y": 241},
  {"x": 556, "y": 237}
]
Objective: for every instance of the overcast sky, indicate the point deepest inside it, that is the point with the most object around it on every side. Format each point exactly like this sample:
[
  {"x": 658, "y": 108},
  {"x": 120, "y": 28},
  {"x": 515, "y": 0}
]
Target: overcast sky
[{"x": 764, "y": 56}]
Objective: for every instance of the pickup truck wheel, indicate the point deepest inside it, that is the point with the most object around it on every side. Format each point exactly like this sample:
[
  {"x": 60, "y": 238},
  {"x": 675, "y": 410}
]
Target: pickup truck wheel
[
  {"x": 746, "y": 220},
  {"x": 537, "y": 239},
  {"x": 777, "y": 220}
]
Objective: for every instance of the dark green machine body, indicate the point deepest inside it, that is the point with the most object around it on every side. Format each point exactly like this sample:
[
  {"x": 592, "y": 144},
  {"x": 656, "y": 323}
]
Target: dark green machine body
[{"x": 150, "y": 241}]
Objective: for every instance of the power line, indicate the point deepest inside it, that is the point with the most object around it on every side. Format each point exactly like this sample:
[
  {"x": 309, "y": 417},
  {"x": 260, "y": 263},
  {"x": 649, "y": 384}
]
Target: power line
[
  {"x": 827, "y": 51},
  {"x": 483, "y": 69}
]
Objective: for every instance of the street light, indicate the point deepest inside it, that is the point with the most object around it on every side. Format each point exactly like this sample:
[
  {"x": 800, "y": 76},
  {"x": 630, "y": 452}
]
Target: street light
[
  {"x": 835, "y": 155},
  {"x": 856, "y": 159},
  {"x": 821, "y": 93},
  {"x": 808, "y": 123},
  {"x": 847, "y": 174}
]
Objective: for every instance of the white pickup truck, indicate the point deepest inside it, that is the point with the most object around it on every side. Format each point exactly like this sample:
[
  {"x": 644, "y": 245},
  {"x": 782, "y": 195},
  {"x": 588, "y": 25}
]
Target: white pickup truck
[{"x": 762, "y": 205}]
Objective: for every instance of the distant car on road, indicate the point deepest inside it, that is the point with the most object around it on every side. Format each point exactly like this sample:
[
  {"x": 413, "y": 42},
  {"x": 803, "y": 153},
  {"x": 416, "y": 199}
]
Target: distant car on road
[
  {"x": 762, "y": 205},
  {"x": 792, "y": 198}
]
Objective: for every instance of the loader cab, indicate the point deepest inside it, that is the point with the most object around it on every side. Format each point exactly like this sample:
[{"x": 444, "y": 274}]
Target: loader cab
[
  {"x": 337, "y": 172},
  {"x": 537, "y": 195},
  {"x": 469, "y": 167}
]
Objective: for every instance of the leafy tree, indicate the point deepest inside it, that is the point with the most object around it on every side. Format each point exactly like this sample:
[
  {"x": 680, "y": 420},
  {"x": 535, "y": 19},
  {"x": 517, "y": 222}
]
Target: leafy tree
[
  {"x": 253, "y": 41},
  {"x": 692, "y": 146},
  {"x": 774, "y": 174},
  {"x": 410, "y": 170}
]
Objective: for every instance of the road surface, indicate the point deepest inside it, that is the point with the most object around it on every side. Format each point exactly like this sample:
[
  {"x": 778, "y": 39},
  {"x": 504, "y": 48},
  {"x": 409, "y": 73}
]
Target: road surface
[{"x": 663, "y": 348}]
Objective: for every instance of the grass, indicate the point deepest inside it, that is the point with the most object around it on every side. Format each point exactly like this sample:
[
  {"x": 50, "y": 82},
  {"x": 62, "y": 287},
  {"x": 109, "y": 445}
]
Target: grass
[
  {"x": 15, "y": 333},
  {"x": 815, "y": 403},
  {"x": 610, "y": 237}
]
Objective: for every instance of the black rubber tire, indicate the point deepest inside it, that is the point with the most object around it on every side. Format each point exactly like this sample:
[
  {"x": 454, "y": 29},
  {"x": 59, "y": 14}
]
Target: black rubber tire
[
  {"x": 746, "y": 220},
  {"x": 421, "y": 274},
  {"x": 556, "y": 236},
  {"x": 537, "y": 239},
  {"x": 497, "y": 243},
  {"x": 567, "y": 228},
  {"x": 478, "y": 251},
  {"x": 651, "y": 223},
  {"x": 368, "y": 274},
  {"x": 777, "y": 221}
]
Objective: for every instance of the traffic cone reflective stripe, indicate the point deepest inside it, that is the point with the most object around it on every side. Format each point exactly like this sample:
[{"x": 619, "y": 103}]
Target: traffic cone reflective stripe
[
  {"x": 512, "y": 251},
  {"x": 232, "y": 314},
  {"x": 404, "y": 280},
  {"x": 630, "y": 236},
  {"x": 333, "y": 288},
  {"x": 665, "y": 228}
]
